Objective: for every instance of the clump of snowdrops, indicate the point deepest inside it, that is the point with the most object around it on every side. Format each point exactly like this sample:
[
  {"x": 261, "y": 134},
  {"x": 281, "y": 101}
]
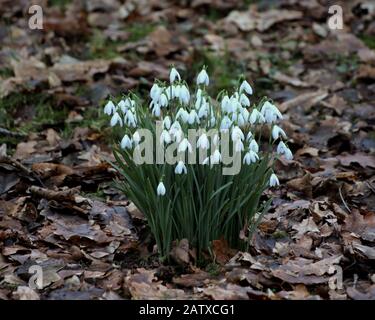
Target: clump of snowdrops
[{"x": 196, "y": 166}]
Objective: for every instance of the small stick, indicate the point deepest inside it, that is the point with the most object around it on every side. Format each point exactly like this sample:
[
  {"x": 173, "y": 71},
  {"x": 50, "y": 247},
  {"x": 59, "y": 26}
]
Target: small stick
[
  {"x": 370, "y": 186},
  {"x": 7, "y": 133},
  {"x": 343, "y": 200},
  {"x": 64, "y": 195}
]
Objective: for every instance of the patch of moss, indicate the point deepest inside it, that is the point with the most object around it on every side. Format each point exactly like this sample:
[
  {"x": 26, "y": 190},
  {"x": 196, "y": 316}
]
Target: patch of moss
[
  {"x": 368, "y": 40},
  {"x": 102, "y": 48},
  {"x": 138, "y": 30}
]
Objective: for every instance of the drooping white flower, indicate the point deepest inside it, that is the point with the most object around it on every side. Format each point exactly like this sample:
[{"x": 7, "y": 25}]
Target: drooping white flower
[
  {"x": 245, "y": 114},
  {"x": 216, "y": 140},
  {"x": 253, "y": 146},
  {"x": 109, "y": 108},
  {"x": 282, "y": 149},
  {"x": 123, "y": 106},
  {"x": 155, "y": 92},
  {"x": 173, "y": 75},
  {"x": 183, "y": 115},
  {"x": 203, "y": 78},
  {"x": 163, "y": 100},
  {"x": 244, "y": 100},
  {"x": 270, "y": 112},
  {"x": 225, "y": 123},
  {"x": 203, "y": 111},
  {"x": 184, "y": 145},
  {"x": 212, "y": 121},
  {"x": 130, "y": 119},
  {"x": 226, "y": 105},
  {"x": 238, "y": 146},
  {"x": 167, "y": 122},
  {"x": 277, "y": 131},
  {"x": 274, "y": 181},
  {"x": 250, "y": 157},
  {"x": 136, "y": 137},
  {"x": 156, "y": 111},
  {"x": 245, "y": 86},
  {"x": 215, "y": 157},
  {"x": 126, "y": 142},
  {"x": 203, "y": 142},
  {"x": 288, "y": 154},
  {"x": 184, "y": 95},
  {"x": 237, "y": 134},
  {"x": 160, "y": 190},
  {"x": 165, "y": 137},
  {"x": 116, "y": 119},
  {"x": 180, "y": 168},
  {"x": 254, "y": 116},
  {"x": 249, "y": 136},
  {"x": 193, "y": 117}
]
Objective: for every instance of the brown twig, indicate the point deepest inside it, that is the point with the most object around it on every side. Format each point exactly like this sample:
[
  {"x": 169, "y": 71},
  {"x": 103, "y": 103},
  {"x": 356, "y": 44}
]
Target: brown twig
[
  {"x": 7, "y": 133},
  {"x": 343, "y": 201},
  {"x": 64, "y": 195}
]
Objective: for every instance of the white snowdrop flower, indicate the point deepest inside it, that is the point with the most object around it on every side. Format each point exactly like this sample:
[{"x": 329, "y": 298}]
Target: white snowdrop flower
[
  {"x": 136, "y": 137},
  {"x": 193, "y": 117},
  {"x": 184, "y": 145},
  {"x": 216, "y": 157},
  {"x": 250, "y": 157},
  {"x": 109, "y": 108},
  {"x": 238, "y": 146},
  {"x": 234, "y": 104},
  {"x": 183, "y": 115},
  {"x": 126, "y": 142},
  {"x": 123, "y": 106},
  {"x": 160, "y": 190},
  {"x": 155, "y": 92},
  {"x": 177, "y": 134},
  {"x": 203, "y": 78},
  {"x": 240, "y": 120},
  {"x": 203, "y": 142},
  {"x": 175, "y": 125},
  {"x": 184, "y": 95},
  {"x": 249, "y": 136},
  {"x": 163, "y": 100},
  {"x": 116, "y": 119},
  {"x": 130, "y": 119},
  {"x": 245, "y": 114},
  {"x": 254, "y": 116},
  {"x": 176, "y": 91},
  {"x": 274, "y": 181},
  {"x": 281, "y": 147},
  {"x": 180, "y": 168},
  {"x": 277, "y": 131},
  {"x": 212, "y": 121},
  {"x": 245, "y": 86},
  {"x": 206, "y": 161},
  {"x": 156, "y": 111},
  {"x": 173, "y": 75},
  {"x": 167, "y": 122},
  {"x": 165, "y": 137},
  {"x": 244, "y": 100},
  {"x": 253, "y": 146},
  {"x": 225, "y": 123},
  {"x": 226, "y": 104},
  {"x": 203, "y": 111},
  {"x": 270, "y": 112},
  {"x": 199, "y": 93},
  {"x": 237, "y": 134},
  {"x": 288, "y": 154}
]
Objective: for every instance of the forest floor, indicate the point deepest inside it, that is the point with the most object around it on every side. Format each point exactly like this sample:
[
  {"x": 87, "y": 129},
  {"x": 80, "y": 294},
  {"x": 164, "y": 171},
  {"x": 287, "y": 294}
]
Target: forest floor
[{"x": 59, "y": 209}]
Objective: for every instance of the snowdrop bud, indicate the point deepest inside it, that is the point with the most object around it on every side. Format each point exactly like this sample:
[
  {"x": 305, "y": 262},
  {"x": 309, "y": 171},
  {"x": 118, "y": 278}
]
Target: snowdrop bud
[
  {"x": 203, "y": 111},
  {"x": 213, "y": 121},
  {"x": 237, "y": 134},
  {"x": 116, "y": 119},
  {"x": 203, "y": 142},
  {"x": 126, "y": 142},
  {"x": 238, "y": 147},
  {"x": 288, "y": 154},
  {"x": 161, "y": 189},
  {"x": 277, "y": 131},
  {"x": 155, "y": 92},
  {"x": 183, "y": 114},
  {"x": 250, "y": 157},
  {"x": 274, "y": 181},
  {"x": 173, "y": 75},
  {"x": 245, "y": 86},
  {"x": 254, "y": 116},
  {"x": 136, "y": 137},
  {"x": 167, "y": 122},
  {"x": 245, "y": 114},
  {"x": 165, "y": 137},
  {"x": 180, "y": 168},
  {"x": 177, "y": 134},
  {"x": 216, "y": 157},
  {"x": 109, "y": 108},
  {"x": 240, "y": 120},
  {"x": 193, "y": 117},
  {"x": 163, "y": 100},
  {"x": 281, "y": 148},
  {"x": 253, "y": 146},
  {"x": 184, "y": 144},
  {"x": 203, "y": 78},
  {"x": 184, "y": 95},
  {"x": 244, "y": 100}
]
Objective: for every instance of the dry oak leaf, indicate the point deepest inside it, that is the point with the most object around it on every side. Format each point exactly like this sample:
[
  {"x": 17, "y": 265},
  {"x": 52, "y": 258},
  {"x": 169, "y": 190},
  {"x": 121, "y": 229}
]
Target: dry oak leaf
[
  {"x": 361, "y": 225},
  {"x": 307, "y": 225},
  {"x": 362, "y": 159}
]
